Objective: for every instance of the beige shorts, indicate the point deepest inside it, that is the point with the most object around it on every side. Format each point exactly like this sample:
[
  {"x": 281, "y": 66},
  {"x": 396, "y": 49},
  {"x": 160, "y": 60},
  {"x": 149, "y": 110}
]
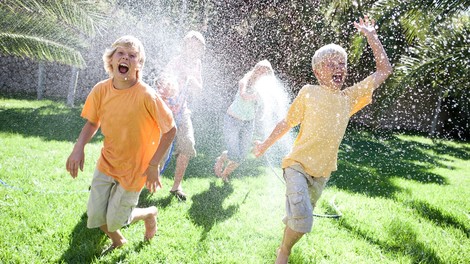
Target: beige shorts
[
  {"x": 302, "y": 194},
  {"x": 184, "y": 140},
  {"x": 109, "y": 203}
]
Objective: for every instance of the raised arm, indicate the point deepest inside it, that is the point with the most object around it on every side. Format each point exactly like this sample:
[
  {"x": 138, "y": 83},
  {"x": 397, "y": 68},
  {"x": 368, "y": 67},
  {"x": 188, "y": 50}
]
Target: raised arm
[
  {"x": 76, "y": 159},
  {"x": 383, "y": 66},
  {"x": 278, "y": 132}
]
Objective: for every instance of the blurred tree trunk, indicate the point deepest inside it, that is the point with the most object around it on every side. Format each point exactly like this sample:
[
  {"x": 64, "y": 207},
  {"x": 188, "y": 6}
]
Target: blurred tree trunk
[
  {"x": 437, "y": 111},
  {"x": 41, "y": 78},
  {"x": 72, "y": 86}
]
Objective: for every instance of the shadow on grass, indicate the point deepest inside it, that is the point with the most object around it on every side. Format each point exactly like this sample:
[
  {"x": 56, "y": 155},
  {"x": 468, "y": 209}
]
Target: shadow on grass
[
  {"x": 207, "y": 207},
  {"x": 120, "y": 255},
  {"x": 51, "y": 122},
  {"x": 433, "y": 214},
  {"x": 367, "y": 164},
  {"x": 85, "y": 244},
  {"x": 402, "y": 239},
  {"x": 145, "y": 200}
]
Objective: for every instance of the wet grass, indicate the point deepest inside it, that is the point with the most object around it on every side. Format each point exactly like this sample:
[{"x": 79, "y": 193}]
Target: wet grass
[{"x": 404, "y": 199}]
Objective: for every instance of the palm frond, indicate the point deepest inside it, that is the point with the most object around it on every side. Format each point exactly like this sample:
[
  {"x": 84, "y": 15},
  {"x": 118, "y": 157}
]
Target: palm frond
[
  {"x": 52, "y": 30},
  {"x": 418, "y": 18},
  {"x": 445, "y": 57},
  {"x": 84, "y": 17},
  {"x": 39, "y": 49},
  {"x": 38, "y": 27}
]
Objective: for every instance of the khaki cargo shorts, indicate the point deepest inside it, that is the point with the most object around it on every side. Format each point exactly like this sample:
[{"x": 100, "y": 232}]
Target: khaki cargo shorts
[
  {"x": 184, "y": 140},
  {"x": 109, "y": 203},
  {"x": 302, "y": 194}
]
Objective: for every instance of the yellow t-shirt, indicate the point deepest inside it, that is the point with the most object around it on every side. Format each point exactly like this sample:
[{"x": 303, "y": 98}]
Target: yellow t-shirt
[
  {"x": 323, "y": 115},
  {"x": 132, "y": 121}
]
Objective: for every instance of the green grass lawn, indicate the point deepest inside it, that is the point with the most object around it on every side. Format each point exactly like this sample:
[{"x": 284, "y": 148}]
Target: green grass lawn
[{"x": 404, "y": 199}]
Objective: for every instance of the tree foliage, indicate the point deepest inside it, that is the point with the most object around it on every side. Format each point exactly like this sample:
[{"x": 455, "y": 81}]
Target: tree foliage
[{"x": 50, "y": 30}]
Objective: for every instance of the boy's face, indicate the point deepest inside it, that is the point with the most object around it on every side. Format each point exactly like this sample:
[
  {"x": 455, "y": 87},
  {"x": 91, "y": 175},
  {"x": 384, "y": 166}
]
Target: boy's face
[
  {"x": 332, "y": 72},
  {"x": 194, "y": 48},
  {"x": 261, "y": 71},
  {"x": 126, "y": 63}
]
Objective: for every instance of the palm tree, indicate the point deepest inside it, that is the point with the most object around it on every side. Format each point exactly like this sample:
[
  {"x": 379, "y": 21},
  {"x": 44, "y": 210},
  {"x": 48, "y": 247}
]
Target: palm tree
[
  {"x": 443, "y": 61},
  {"x": 438, "y": 49},
  {"x": 50, "y": 30}
]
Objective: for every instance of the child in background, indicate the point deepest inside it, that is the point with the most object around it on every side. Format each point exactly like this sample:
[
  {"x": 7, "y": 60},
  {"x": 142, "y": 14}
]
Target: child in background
[
  {"x": 138, "y": 128},
  {"x": 167, "y": 88},
  {"x": 187, "y": 69},
  {"x": 323, "y": 112},
  {"x": 239, "y": 120}
]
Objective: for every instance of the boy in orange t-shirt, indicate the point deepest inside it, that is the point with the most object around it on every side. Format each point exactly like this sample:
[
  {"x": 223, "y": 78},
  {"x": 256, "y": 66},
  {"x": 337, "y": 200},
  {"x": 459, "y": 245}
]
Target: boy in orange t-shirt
[
  {"x": 323, "y": 112},
  {"x": 138, "y": 129}
]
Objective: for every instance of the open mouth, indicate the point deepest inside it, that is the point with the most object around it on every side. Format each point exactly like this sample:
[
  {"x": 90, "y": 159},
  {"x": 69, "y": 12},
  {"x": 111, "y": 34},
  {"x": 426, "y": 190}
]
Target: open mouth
[
  {"x": 337, "y": 78},
  {"x": 123, "y": 68}
]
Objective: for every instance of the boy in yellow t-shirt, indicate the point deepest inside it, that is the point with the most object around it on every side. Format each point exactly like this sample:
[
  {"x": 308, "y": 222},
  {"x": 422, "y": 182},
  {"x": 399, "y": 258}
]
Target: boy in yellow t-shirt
[
  {"x": 323, "y": 112},
  {"x": 138, "y": 128}
]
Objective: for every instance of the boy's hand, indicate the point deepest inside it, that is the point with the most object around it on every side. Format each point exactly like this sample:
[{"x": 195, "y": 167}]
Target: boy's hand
[
  {"x": 153, "y": 182},
  {"x": 258, "y": 149},
  {"x": 75, "y": 161},
  {"x": 365, "y": 26}
]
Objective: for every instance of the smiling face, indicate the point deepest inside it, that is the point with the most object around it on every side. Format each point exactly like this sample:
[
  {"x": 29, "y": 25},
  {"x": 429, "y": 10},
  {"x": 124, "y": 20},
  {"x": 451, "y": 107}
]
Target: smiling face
[{"x": 332, "y": 71}]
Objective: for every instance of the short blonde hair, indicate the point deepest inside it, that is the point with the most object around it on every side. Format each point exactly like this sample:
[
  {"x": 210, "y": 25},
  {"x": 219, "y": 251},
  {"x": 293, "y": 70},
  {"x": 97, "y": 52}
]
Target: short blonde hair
[
  {"x": 194, "y": 35},
  {"x": 327, "y": 51},
  {"x": 124, "y": 41},
  {"x": 264, "y": 64}
]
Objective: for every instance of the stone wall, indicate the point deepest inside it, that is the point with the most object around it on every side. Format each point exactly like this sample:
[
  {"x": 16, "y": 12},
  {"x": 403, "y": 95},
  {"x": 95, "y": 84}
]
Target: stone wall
[{"x": 21, "y": 76}]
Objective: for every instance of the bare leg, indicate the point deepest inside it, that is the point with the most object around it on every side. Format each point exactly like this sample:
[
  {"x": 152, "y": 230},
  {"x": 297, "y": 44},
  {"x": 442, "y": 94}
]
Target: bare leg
[
  {"x": 288, "y": 241},
  {"x": 182, "y": 162},
  {"x": 116, "y": 237},
  {"x": 231, "y": 166},
  {"x": 149, "y": 216},
  {"x": 219, "y": 164}
]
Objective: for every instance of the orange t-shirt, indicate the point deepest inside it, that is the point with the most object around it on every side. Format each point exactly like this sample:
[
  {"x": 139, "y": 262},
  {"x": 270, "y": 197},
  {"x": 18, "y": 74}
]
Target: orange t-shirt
[
  {"x": 323, "y": 115},
  {"x": 132, "y": 121}
]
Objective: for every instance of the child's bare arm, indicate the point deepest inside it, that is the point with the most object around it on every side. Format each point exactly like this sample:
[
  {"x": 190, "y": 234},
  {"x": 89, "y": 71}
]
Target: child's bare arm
[
  {"x": 76, "y": 160},
  {"x": 384, "y": 68},
  {"x": 279, "y": 131}
]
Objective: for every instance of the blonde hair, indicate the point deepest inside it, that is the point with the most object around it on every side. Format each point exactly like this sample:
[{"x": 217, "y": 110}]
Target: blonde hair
[
  {"x": 264, "y": 64},
  {"x": 327, "y": 51},
  {"x": 124, "y": 41},
  {"x": 194, "y": 35}
]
